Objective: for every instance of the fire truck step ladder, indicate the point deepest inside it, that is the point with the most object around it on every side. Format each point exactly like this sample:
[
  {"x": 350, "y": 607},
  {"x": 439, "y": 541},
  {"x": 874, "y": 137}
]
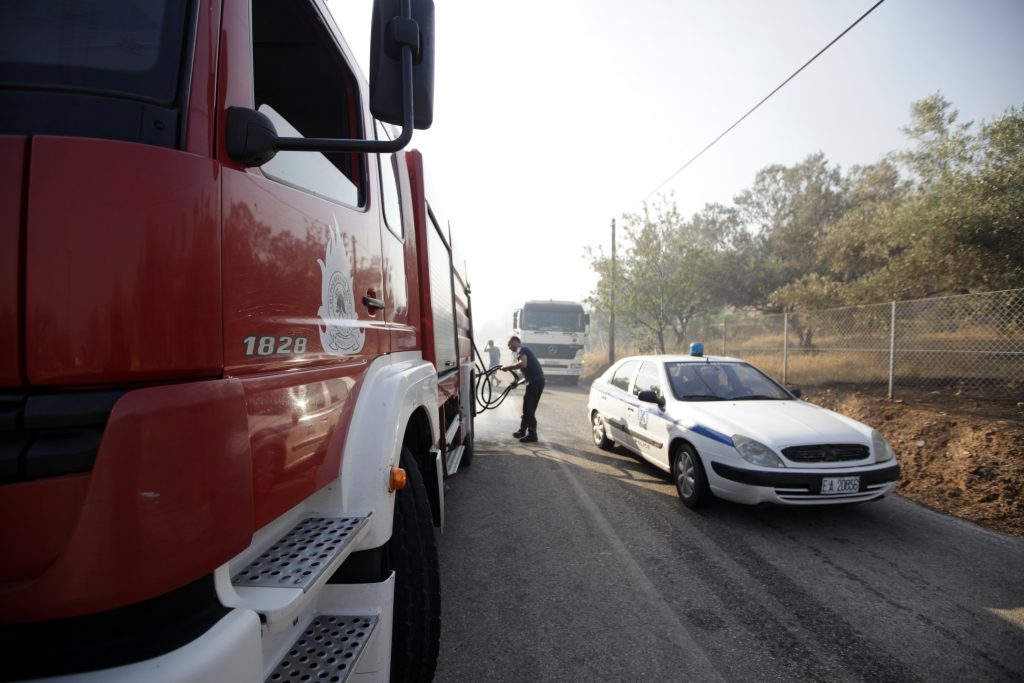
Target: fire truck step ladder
[
  {"x": 328, "y": 650},
  {"x": 454, "y": 456},
  {"x": 301, "y": 556},
  {"x": 284, "y": 585}
]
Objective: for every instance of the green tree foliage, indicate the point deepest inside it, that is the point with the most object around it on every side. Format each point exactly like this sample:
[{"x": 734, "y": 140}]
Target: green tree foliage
[
  {"x": 853, "y": 245},
  {"x": 662, "y": 273},
  {"x": 725, "y": 271},
  {"x": 788, "y": 210},
  {"x": 960, "y": 227},
  {"x": 945, "y": 216}
]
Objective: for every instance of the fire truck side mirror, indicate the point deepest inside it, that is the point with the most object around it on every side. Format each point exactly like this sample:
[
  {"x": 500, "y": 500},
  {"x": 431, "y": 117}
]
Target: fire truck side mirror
[
  {"x": 401, "y": 90},
  {"x": 251, "y": 136},
  {"x": 400, "y": 24}
]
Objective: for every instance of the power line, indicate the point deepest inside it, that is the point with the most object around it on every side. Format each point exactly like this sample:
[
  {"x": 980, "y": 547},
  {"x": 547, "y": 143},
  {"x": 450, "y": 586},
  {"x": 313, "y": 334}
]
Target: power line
[{"x": 765, "y": 99}]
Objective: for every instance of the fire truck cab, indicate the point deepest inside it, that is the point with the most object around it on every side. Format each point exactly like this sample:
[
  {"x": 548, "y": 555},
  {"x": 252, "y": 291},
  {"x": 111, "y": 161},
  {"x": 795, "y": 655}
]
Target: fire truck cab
[{"x": 233, "y": 344}]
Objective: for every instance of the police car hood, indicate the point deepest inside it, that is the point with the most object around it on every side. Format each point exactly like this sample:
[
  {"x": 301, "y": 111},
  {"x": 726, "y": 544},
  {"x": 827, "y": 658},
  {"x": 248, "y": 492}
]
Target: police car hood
[{"x": 776, "y": 424}]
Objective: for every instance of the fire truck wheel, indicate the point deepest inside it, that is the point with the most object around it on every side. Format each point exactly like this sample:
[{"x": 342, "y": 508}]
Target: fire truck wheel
[{"x": 412, "y": 554}]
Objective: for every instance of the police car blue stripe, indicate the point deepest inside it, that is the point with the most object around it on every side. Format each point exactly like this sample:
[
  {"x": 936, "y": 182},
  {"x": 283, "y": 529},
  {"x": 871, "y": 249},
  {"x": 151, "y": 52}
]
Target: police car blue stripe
[
  {"x": 627, "y": 401},
  {"x": 712, "y": 434},
  {"x": 706, "y": 432}
]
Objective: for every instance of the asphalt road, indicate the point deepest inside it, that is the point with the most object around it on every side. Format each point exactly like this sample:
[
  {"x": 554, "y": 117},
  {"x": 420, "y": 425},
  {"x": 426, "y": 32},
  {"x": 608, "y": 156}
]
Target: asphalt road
[{"x": 561, "y": 562}]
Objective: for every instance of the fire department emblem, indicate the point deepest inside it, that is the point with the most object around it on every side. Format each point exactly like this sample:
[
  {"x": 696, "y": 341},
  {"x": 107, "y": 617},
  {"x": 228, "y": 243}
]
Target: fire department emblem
[{"x": 340, "y": 333}]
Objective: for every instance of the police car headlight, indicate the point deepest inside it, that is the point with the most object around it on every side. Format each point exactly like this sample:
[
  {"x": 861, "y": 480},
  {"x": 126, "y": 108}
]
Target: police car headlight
[
  {"x": 880, "y": 447},
  {"x": 755, "y": 452}
]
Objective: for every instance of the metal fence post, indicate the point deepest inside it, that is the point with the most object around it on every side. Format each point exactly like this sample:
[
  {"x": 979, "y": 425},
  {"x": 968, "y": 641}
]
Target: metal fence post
[
  {"x": 785, "y": 347},
  {"x": 723, "y": 338},
  {"x": 892, "y": 348}
]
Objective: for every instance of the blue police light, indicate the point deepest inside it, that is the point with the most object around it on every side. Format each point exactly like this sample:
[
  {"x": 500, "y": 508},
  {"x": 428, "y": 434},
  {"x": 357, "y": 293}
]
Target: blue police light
[{"x": 696, "y": 349}]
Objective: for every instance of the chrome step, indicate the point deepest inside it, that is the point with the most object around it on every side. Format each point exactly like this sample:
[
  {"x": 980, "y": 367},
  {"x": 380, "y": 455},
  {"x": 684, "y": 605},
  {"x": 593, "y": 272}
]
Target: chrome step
[
  {"x": 299, "y": 558},
  {"x": 328, "y": 650},
  {"x": 454, "y": 458}
]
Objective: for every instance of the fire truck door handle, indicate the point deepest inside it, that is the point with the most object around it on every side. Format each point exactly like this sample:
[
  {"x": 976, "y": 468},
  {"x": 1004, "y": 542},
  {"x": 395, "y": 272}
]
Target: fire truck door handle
[{"x": 372, "y": 302}]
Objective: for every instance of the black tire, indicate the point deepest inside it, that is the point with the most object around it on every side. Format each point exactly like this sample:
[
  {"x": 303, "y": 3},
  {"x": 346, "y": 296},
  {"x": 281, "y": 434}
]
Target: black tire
[
  {"x": 599, "y": 430},
  {"x": 689, "y": 477},
  {"x": 412, "y": 555}
]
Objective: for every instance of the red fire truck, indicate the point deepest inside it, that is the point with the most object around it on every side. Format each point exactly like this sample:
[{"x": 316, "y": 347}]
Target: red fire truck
[{"x": 234, "y": 344}]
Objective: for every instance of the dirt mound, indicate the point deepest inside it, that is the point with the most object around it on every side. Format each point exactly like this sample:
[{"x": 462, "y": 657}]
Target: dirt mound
[{"x": 958, "y": 456}]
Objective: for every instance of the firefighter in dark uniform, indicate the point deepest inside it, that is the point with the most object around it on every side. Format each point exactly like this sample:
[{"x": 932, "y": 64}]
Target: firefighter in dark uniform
[{"x": 527, "y": 362}]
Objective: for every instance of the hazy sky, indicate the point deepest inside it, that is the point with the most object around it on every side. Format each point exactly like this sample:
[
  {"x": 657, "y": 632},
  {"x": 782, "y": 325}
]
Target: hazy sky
[{"x": 552, "y": 117}]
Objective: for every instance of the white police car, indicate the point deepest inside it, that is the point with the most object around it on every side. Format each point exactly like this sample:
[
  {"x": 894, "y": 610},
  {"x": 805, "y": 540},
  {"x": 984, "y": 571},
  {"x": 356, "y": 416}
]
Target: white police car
[{"x": 725, "y": 429}]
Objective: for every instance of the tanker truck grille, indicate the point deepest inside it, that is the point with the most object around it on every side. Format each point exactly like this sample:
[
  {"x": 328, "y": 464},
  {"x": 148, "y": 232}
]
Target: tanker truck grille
[{"x": 560, "y": 351}]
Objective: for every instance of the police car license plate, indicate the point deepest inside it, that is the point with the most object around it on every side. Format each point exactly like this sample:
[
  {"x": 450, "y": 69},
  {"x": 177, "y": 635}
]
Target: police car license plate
[{"x": 830, "y": 485}]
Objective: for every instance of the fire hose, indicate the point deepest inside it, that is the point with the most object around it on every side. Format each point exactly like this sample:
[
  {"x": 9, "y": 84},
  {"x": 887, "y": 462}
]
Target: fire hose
[{"x": 484, "y": 397}]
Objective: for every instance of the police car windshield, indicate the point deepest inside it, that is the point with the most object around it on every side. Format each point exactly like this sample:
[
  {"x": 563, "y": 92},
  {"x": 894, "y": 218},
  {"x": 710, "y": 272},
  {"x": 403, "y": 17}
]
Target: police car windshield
[{"x": 717, "y": 381}]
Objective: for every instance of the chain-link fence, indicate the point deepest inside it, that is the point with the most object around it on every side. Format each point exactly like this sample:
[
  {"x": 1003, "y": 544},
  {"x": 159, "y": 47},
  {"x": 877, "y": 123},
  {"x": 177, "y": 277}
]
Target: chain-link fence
[{"x": 970, "y": 345}]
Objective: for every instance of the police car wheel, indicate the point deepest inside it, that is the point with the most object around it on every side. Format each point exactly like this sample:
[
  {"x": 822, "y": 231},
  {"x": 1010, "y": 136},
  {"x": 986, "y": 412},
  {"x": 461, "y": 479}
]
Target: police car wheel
[
  {"x": 600, "y": 432},
  {"x": 688, "y": 475}
]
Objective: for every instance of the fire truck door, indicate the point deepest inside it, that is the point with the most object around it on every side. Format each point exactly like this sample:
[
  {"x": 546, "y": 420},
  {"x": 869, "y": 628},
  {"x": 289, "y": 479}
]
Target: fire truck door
[
  {"x": 302, "y": 253},
  {"x": 397, "y": 245}
]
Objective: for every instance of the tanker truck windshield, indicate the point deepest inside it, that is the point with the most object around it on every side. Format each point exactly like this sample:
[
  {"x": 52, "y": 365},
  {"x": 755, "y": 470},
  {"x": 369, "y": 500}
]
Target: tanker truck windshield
[{"x": 554, "y": 319}]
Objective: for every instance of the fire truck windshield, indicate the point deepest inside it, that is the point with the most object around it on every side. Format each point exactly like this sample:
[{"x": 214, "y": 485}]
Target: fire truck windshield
[{"x": 123, "y": 49}]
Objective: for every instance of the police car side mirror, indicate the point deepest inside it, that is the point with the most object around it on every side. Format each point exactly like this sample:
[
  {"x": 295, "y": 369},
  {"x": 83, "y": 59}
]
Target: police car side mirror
[
  {"x": 796, "y": 393},
  {"x": 651, "y": 397}
]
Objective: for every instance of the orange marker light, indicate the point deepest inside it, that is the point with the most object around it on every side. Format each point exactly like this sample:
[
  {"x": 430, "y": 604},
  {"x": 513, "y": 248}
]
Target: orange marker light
[{"x": 396, "y": 482}]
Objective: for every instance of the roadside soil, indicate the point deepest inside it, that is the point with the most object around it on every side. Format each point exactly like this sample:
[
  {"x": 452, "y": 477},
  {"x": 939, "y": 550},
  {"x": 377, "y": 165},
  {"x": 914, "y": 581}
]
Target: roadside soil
[{"x": 959, "y": 456}]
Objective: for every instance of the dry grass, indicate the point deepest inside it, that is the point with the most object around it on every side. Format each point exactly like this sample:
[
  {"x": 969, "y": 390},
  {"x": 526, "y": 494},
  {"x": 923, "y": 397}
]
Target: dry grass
[{"x": 963, "y": 368}]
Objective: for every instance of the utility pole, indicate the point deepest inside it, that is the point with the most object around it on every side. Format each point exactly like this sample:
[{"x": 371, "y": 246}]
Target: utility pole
[{"x": 611, "y": 324}]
